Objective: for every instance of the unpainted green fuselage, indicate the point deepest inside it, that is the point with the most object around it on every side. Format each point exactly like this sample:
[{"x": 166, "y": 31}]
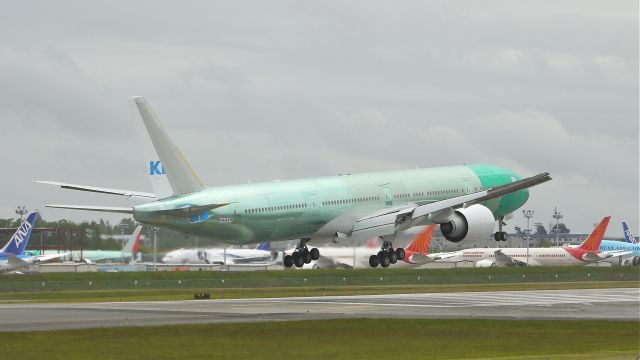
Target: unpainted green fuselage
[{"x": 294, "y": 209}]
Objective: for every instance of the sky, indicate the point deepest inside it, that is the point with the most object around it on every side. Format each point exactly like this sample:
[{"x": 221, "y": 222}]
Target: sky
[{"x": 255, "y": 91}]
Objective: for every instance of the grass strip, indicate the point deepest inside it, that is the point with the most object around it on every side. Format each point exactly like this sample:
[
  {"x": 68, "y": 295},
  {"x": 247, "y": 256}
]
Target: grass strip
[{"x": 338, "y": 339}]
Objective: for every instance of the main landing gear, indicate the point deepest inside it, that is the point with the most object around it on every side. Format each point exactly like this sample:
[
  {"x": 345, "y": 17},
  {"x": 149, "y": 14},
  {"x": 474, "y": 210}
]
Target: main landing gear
[
  {"x": 386, "y": 256},
  {"x": 301, "y": 255},
  {"x": 501, "y": 235}
]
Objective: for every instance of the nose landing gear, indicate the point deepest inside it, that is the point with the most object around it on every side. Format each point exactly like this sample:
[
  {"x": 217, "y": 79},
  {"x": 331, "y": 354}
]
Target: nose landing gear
[{"x": 501, "y": 235}]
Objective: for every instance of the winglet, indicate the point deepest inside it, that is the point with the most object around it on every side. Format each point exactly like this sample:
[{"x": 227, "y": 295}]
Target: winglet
[
  {"x": 592, "y": 243},
  {"x": 181, "y": 176}
]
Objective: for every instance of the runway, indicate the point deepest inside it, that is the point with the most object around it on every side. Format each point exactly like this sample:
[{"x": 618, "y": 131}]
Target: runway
[{"x": 613, "y": 304}]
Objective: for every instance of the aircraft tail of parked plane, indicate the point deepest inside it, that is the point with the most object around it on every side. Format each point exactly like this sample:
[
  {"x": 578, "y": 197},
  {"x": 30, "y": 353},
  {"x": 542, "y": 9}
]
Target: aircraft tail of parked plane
[
  {"x": 592, "y": 242},
  {"x": 628, "y": 236},
  {"x": 264, "y": 246},
  {"x": 20, "y": 238}
]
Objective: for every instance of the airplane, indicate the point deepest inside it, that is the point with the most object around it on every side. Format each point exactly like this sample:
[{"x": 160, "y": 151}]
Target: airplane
[
  {"x": 465, "y": 201},
  {"x": 216, "y": 256},
  {"x": 12, "y": 254},
  {"x": 586, "y": 253},
  {"x": 629, "y": 245},
  {"x": 128, "y": 251}
]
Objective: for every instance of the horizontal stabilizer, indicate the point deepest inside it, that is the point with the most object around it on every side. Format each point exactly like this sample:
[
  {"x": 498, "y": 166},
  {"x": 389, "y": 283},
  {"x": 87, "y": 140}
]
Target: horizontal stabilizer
[
  {"x": 113, "y": 209},
  {"x": 14, "y": 260},
  {"x": 101, "y": 190}
]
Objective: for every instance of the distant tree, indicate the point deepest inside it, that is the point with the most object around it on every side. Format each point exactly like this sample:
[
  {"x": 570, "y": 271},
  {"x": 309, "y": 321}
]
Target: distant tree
[
  {"x": 560, "y": 228},
  {"x": 540, "y": 230},
  {"x": 126, "y": 226}
]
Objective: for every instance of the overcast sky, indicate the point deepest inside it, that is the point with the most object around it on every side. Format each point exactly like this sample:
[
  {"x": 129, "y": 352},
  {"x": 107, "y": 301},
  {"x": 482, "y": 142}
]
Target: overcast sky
[{"x": 255, "y": 90}]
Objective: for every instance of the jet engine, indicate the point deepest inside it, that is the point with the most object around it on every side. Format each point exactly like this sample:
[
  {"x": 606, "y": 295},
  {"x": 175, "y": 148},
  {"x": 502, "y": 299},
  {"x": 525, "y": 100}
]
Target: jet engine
[
  {"x": 475, "y": 222},
  {"x": 485, "y": 263}
]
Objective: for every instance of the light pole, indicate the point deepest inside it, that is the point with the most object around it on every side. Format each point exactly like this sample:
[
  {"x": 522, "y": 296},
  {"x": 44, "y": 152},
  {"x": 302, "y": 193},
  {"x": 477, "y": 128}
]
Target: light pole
[
  {"x": 155, "y": 247},
  {"x": 21, "y": 210},
  {"x": 557, "y": 215},
  {"x": 528, "y": 214}
]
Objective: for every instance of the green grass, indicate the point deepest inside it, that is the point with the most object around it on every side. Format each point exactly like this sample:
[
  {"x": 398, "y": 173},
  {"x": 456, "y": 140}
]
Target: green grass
[
  {"x": 238, "y": 293},
  {"x": 338, "y": 339},
  {"x": 338, "y": 273}
]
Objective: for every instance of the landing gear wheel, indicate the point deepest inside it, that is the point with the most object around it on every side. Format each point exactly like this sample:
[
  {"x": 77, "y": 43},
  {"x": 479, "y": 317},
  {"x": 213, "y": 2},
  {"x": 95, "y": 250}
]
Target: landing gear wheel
[
  {"x": 298, "y": 261},
  {"x": 393, "y": 257},
  {"x": 306, "y": 256},
  {"x": 315, "y": 254},
  {"x": 374, "y": 261},
  {"x": 400, "y": 252},
  {"x": 288, "y": 261},
  {"x": 504, "y": 236},
  {"x": 384, "y": 259}
]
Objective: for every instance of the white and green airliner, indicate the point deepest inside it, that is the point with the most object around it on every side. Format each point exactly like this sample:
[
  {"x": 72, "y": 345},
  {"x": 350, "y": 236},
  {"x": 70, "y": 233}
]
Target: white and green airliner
[{"x": 466, "y": 201}]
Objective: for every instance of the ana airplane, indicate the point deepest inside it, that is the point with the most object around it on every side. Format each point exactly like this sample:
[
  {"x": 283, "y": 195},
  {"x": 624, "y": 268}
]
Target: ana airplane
[
  {"x": 464, "y": 200},
  {"x": 218, "y": 256},
  {"x": 583, "y": 254},
  {"x": 629, "y": 245},
  {"x": 12, "y": 254}
]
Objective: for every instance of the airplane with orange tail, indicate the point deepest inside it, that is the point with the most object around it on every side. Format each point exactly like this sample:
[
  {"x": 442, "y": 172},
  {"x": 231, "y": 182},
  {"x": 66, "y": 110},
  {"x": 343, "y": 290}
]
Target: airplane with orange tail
[
  {"x": 586, "y": 253},
  {"x": 418, "y": 252}
]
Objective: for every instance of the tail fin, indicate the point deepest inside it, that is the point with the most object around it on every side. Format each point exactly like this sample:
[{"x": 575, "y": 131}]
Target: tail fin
[
  {"x": 20, "y": 238},
  {"x": 131, "y": 247},
  {"x": 264, "y": 246},
  {"x": 592, "y": 243},
  {"x": 181, "y": 176},
  {"x": 628, "y": 236},
  {"x": 421, "y": 243}
]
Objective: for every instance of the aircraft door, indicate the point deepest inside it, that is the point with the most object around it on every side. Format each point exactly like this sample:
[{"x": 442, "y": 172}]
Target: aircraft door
[{"x": 388, "y": 198}]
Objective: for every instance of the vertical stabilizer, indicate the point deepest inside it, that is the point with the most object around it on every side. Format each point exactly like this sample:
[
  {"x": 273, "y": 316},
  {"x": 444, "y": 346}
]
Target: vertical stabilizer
[
  {"x": 592, "y": 243},
  {"x": 131, "y": 247},
  {"x": 182, "y": 178},
  {"x": 20, "y": 238},
  {"x": 628, "y": 236},
  {"x": 421, "y": 243}
]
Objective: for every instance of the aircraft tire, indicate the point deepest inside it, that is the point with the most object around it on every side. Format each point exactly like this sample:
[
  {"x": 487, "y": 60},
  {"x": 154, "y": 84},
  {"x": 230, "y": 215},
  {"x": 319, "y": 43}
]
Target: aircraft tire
[
  {"x": 496, "y": 237},
  {"x": 384, "y": 260},
  {"x": 504, "y": 236},
  {"x": 374, "y": 261},
  {"x": 288, "y": 261},
  {"x": 298, "y": 260},
  {"x": 315, "y": 254},
  {"x": 401, "y": 253},
  {"x": 393, "y": 257},
  {"x": 306, "y": 256}
]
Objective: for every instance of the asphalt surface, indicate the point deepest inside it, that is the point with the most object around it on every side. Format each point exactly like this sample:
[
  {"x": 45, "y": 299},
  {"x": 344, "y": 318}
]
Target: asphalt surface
[{"x": 611, "y": 304}]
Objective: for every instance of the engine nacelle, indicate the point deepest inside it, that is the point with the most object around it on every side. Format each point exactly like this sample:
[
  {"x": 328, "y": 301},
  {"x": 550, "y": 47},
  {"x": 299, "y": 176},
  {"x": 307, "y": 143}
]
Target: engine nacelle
[
  {"x": 485, "y": 263},
  {"x": 474, "y": 223}
]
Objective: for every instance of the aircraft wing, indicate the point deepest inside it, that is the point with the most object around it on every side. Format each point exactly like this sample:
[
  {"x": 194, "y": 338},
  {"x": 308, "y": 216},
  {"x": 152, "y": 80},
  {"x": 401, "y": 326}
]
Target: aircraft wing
[
  {"x": 101, "y": 190},
  {"x": 503, "y": 259},
  {"x": 46, "y": 258},
  {"x": 388, "y": 221}
]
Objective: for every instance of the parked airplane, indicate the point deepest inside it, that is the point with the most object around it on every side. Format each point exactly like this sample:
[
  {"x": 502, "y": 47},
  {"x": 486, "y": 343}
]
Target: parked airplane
[
  {"x": 128, "y": 251},
  {"x": 586, "y": 253},
  {"x": 219, "y": 256},
  {"x": 12, "y": 254},
  {"x": 464, "y": 200},
  {"x": 629, "y": 245}
]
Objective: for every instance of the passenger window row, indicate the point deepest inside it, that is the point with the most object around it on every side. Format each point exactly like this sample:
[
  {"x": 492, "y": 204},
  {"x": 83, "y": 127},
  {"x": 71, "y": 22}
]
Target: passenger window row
[
  {"x": 275, "y": 208},
  {"x": 351, "y": 201}
]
